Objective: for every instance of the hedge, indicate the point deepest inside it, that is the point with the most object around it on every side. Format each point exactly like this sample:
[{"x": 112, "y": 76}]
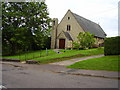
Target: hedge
[{"x": 111, "y": 46}]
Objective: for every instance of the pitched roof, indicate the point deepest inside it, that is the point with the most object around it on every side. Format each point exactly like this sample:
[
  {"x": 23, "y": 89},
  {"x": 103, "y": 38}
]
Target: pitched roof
[
  {"x": 68, "y": 36},
  {"x": 89, "y": 26}
]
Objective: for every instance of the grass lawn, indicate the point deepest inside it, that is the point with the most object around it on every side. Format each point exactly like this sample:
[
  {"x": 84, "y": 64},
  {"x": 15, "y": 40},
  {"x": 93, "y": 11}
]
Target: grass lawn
[
  {"x": 31, "y": 55},
  {"x": 87, "y": 52},
  {"x": 107, "y": 63},
  {"x": 43, "y": 58},
  {"x": 69, "y": 54}
]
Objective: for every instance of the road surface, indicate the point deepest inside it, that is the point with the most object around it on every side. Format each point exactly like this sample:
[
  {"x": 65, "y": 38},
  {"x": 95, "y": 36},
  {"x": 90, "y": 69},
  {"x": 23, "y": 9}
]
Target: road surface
[{"x": 22, "y": 77}]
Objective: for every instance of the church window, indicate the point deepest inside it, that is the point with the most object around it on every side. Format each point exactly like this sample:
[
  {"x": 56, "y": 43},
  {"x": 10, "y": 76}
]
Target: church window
[{"x": 68, "y": 27}]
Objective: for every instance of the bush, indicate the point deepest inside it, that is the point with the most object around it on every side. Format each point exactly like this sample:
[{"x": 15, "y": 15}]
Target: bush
[
  {"x": 111, "y": 46},
  {"x": 76, "y": 45},
  {"x": 85, "y": 40}
]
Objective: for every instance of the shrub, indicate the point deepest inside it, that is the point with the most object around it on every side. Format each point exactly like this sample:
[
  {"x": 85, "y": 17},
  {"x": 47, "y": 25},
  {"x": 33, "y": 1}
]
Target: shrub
[
  {"x": 76, "y": 45},
  {"x": 111, "y": 46},
  {"x": 85, "y": 40}
]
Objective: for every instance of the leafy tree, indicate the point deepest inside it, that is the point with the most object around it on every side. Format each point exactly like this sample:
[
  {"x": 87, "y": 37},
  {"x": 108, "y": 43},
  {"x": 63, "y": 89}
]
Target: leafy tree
[
  {"x": 24, "y": 26},
  {"x": 85, "y": 40}
]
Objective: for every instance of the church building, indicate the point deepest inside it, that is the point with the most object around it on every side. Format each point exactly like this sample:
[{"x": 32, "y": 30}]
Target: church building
[{"x": 64, "y": 33}]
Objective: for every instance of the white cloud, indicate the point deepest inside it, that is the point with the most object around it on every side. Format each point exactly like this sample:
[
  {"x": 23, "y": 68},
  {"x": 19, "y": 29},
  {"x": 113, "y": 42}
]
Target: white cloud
[{"x": 104, "y": 12}]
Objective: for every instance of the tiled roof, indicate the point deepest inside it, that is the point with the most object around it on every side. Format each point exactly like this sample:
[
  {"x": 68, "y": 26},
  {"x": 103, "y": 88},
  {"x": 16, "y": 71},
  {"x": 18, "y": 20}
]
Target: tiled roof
[{"x": 89, "y": 26}]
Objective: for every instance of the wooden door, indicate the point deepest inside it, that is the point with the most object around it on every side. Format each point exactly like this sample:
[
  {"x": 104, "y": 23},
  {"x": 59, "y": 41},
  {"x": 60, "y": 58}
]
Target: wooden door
[{"x": 61, "y": 43}]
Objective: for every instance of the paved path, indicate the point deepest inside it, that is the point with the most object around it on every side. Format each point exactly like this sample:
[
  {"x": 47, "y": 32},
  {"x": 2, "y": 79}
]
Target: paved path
[{"x": 72, "y": 61}]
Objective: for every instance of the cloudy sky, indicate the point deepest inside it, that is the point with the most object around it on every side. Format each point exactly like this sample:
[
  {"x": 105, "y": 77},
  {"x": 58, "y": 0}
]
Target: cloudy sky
[{"x": 104, "y": 12}]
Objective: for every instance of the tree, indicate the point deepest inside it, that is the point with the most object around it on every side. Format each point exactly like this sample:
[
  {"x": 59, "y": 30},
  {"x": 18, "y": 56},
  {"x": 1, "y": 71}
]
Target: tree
[
  {"x": 85, "y": 40},
  {"x": 24, "y": 26}
]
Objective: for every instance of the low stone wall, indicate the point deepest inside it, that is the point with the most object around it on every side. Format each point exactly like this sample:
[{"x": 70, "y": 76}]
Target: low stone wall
[
  {"x": 17, "y": 60},
  {"x": 11, "y": 60}
]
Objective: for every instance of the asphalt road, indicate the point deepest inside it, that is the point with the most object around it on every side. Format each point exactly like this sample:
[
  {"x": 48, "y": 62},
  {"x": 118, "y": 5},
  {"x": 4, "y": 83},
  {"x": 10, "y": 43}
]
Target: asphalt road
[{"x": 21, "y": 77}]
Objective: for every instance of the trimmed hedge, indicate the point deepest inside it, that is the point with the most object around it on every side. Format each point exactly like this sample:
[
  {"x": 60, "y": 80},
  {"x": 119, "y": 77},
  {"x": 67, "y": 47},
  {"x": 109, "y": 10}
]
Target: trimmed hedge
[{"x": 111, "y": 46}]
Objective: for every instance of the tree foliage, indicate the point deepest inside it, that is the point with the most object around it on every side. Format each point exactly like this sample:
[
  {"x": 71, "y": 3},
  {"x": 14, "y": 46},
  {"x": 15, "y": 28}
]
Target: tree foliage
[
  {"x": 25, "y": 26},
  {"x": 85, "y": 40}
]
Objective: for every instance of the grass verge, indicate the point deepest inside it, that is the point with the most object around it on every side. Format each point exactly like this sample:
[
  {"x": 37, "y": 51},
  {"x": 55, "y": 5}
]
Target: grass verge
[
  {"x": 70, "y": 54},
  {"x": 107, "y": 63},
  {"x": 51, "y": 57}
]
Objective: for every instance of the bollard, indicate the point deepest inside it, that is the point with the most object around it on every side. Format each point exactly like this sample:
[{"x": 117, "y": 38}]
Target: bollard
[{"x": 46, "y": 52}]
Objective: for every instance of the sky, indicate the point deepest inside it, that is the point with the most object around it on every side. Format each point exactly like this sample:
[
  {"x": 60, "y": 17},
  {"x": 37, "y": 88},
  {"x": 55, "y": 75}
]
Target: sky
[{"x": 102, "y": 12}]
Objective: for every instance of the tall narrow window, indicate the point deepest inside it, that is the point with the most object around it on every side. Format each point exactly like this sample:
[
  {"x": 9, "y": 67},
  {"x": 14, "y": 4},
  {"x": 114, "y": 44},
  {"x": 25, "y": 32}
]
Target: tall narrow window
[{"x": 68, "y": 27}]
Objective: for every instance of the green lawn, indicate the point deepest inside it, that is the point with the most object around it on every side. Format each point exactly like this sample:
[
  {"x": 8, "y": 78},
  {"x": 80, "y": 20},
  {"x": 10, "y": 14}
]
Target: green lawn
[
  {"x": 86, "y": 52},
  {"x": 31, "y": 55},
  {"x": 69, "y": 54},
  {"x": 54, "y": 57},
  {"x": 108, "y": 63}
]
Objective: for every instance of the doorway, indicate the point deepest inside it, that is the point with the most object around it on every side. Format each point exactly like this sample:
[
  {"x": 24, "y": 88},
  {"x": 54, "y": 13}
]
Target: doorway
[{"x": 61, "y": 43}]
